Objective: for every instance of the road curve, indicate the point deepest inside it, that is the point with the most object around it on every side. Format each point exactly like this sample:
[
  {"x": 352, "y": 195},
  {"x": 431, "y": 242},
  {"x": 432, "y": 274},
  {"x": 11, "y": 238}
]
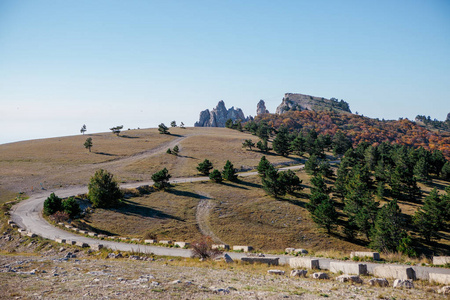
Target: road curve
[{"x": 28, "y": 215}]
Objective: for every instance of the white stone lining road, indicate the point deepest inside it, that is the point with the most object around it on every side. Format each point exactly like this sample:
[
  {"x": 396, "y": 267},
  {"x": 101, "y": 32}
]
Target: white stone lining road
[{"x": 28, "y": 215}]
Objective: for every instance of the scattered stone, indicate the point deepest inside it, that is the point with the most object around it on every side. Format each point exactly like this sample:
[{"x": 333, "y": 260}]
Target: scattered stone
[
  {"x": 299, "y": 273},
  {"x": 275, "y": 272},
  {"x": 403, "y": 283},
  {"x": 320, "y": 275},
  {"x": 382, "y": 282},
  {"x": 175, "y": 282},
  {"x": 155, "y": 283},
  {"x": 444, "y": 290},
  {"x": 217, "y": 291},
  {"x": 349, "y": 278}
]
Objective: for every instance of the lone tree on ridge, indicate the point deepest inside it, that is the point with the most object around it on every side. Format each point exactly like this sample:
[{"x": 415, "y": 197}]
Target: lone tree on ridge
[{"x": 88, "y": 144}]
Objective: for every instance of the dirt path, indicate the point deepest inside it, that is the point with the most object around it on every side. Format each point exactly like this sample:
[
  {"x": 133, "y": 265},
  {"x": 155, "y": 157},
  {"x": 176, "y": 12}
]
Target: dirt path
[{"x": 202, "y": 215}]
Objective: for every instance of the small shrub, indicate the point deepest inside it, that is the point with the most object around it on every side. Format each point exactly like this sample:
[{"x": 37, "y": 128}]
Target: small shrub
[
  {"x": 60, "y": 216},
  {"x": 203, "y": 249}
]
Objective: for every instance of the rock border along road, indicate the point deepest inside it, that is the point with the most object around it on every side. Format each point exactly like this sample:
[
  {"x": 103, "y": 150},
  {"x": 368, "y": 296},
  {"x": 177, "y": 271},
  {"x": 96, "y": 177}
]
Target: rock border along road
[{"x": 28, "y": 215}]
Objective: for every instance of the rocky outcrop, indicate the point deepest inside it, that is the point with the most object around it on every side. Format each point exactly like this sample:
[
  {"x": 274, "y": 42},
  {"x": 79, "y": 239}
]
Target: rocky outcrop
[
  {"x": 448, "y": 117},
  {"x": 219, "y": 115},
  {"x": 298, "y": 102},
  {"x": 261, "y": 108}
]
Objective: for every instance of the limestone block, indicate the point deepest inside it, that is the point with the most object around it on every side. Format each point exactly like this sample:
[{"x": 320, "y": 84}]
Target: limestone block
[
  {"x": 348, "y": 268},
  {"x": 21, "y": 230},
  {"x": 373, "y": 255},
  {"x": 135, "y": 240},
  {"x": 13, "y": 225},
  {"x": 31, "y": 235},
  {"x": 10, "y": 222},
  {"x": 243, "y": 248},
  {"x": 271, "y": 261},
  {"x": 182, "y": 244},
  {"x": 68, "y": 226},
  {"x": 221, "y": 246},
  {"x": 444, "y": 290},
  {"x": 441, "y": 260},
  {"x": 440, "y": 278},
  {"x": 102, "y": 236},
  {"x": 301, "y": 251},
  {"x": 228, "y": 258},
  {"x": 124, "y": 238},
  {"x": 81, "y": 244},
  {"x": 92, "y": 234},
  {"x": 96, "y": 246},
  {"x": 61, "y": 224},
  {"x": 83, "y": 232},
  {"x": 167, "y": 242},
  {"x": 382, "y": 282},
  {"x": 24, "y": 233},
  {"x": 398, "y": 272},
  {"x": 61, "y": 241},
  {"x": 75, "y": 229},
  {"x": 304, "y": 262},
  {"x": 71, "y": 242},
  {"x": 275, "y": 272},
  {"x": 289, "y": 250},
  {"x": 150, "y": 241}
]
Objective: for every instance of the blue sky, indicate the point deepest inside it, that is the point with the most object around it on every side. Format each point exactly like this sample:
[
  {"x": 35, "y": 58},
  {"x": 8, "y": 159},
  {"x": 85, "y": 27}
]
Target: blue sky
[{"x": 139, "y": 63}]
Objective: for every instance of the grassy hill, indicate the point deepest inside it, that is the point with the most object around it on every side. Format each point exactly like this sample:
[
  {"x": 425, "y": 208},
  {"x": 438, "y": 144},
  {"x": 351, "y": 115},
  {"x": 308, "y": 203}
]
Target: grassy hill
[{"x": 238, "y": 213}]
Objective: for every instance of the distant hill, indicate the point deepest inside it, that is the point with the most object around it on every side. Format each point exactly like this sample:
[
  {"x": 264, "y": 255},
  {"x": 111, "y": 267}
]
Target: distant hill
[
  {"x": 361, "y": 129},
  {"x": 299, "y": 102}
]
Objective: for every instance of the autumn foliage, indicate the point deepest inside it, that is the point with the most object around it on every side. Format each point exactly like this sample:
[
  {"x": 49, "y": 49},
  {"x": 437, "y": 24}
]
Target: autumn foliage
[{"x": 362, "y": 129}]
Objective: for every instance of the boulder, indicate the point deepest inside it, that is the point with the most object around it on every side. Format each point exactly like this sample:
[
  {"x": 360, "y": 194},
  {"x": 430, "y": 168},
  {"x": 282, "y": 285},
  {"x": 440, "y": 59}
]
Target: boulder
[
  {"x": 382, "y": 282},
  {"x": 349, "y": 278},
  {"x": 304, "y": 262},
  {"x": 271, "y": 261},
  {"x": 399, "y": 272},
  {"x": 320, "y": 275},
  {"x": 348, "y": 268},
  {"x": 401, "y": 283},
  {"x": 372, "y": 255},
  {"x": 299, "y": 273},
  {"x": 261, "y": 108},
  {"x": 275, "y": 272},
  {"x": 439, "y": 278},
  {"x": 444, "y": 290},
  {"x": 441, "y": 260}
]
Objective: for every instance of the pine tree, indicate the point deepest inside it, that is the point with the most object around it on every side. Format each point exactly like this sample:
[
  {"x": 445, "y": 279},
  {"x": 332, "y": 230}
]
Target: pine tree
[
  {"x": 248, "y": 144},
  {"x": 161, "y": 179},
  {"x": 429, "y": 219},
  {"x": 312, "y": 165},
  {"x": 281, "y": 142},
  {"x": 445, "y": 171},
  {"x": 271, "y": 183},
  {"x": 298, "y": 145},
  {"x": 388, "y": 228},
  {"x": 263, "y": 165},
  {"x": 290, "y": 181},
  {"x": 175, "y": 150},
  {"x": 104, "y": 190},
  {"x": 52, "y": 204},
  {"x": 325, "y": 214},
  {"x": 88, "y": 144},
  {"x": 421, "y": 170},
  {"x": 262, "y": 146},
  {"x": 163, "y": 129},
  {"x": 215, "y": 176},
  {"x": 204, "y": 167},
  {"x": 229, "y": 173},
  {"x": 341, "y": 143}
]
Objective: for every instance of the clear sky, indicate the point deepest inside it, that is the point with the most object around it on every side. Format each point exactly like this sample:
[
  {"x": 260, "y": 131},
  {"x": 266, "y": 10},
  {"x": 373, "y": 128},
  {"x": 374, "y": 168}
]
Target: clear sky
[{"x": 139, "y": 63}]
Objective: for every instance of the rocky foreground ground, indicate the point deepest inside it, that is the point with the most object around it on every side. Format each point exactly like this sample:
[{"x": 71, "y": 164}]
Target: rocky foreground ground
[{"x": 72, "y": 274}]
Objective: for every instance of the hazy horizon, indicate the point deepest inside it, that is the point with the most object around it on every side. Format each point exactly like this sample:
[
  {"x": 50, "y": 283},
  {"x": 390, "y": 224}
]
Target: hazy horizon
[{"x": 138, "y": 64}]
